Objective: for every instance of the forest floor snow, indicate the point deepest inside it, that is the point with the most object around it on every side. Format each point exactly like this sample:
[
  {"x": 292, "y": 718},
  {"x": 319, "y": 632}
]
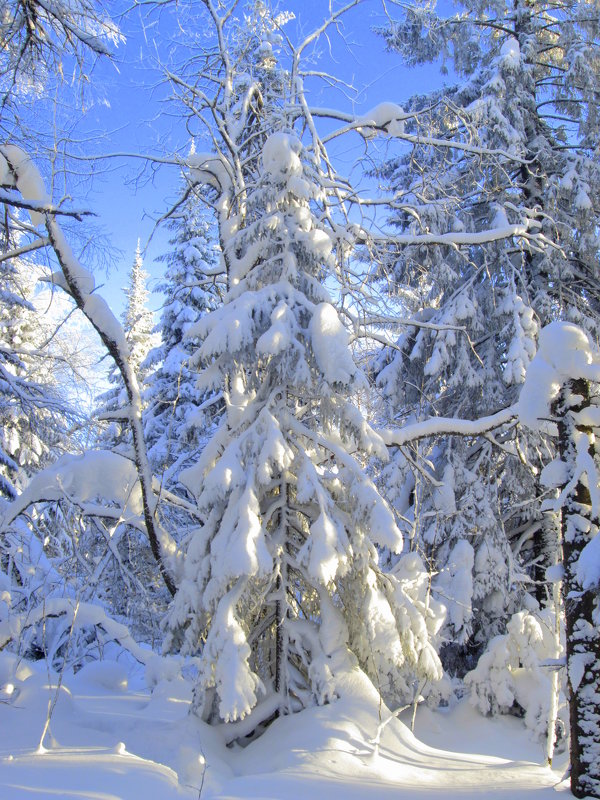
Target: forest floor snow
[{"x": 109, "y": 740}]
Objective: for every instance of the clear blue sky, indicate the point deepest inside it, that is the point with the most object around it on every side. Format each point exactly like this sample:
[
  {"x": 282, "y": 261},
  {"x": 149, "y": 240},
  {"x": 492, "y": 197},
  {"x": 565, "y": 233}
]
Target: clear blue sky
[{"x": 129, "y": 114}]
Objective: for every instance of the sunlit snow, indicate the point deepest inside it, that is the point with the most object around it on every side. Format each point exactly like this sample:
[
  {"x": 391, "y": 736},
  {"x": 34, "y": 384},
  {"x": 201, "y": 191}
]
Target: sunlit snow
[{"x": 111, "y": 739}]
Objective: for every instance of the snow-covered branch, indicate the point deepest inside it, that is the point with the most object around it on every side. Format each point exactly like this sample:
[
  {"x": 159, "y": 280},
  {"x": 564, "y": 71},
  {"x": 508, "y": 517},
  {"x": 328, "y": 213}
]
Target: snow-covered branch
[
  {"x": 447, "y": 426},
  {"x": 41, "y": 207},
  {"x": 78, "y": 615}
]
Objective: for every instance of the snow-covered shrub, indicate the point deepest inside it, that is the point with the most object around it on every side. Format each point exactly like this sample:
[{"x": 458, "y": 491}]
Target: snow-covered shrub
[
  {"x": 395, "y": 637},
  {"x": 422, "y": 618},
  {"x": 514, "y": 673},
  {"x": 83, "y": 538}
]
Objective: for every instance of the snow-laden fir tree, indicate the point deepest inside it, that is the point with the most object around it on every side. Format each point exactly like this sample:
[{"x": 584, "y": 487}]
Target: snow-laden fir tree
[
  {"x": 524, "y": 119},
  {"x": 177, "y": 416},
  {"x": 284, "y": 570},
  {"x": 138, "y": 326},
  {"x": 137, "y": 317},
  {"x": 282, "y": 589}
]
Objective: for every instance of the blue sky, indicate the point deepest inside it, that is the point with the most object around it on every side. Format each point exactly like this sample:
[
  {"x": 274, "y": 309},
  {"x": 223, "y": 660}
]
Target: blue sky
[{"x": 128, "y": 113}]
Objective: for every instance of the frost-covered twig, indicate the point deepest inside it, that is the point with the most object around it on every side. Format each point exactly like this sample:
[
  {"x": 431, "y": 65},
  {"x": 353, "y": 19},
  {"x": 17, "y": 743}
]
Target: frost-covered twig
[
  {"x": 376, "y": 740},
  {"x": 53, "y": 700}
]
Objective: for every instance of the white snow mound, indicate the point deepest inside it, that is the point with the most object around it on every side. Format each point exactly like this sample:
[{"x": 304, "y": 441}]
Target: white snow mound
[
  {"x": 281, "y": 155},
  {"x": 131, "y": 743}
]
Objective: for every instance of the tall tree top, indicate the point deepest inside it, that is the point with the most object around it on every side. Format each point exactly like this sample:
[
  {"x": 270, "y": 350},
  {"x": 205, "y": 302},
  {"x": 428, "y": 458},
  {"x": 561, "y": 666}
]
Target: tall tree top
[{"x": 137, "y": 317}]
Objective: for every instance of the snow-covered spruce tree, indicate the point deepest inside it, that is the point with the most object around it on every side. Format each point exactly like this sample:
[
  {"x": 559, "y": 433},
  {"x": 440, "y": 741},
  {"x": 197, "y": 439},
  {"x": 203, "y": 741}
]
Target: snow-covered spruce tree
[
  {"x": 175, "y": 426},
  {"x": 524, "y": 122},
  {"x": 35, "y": 412},
  {"x": 284, "y": 567},
  {"x": 281, "y": 583},
  {"x": 18, "y": 395},
  {"x": 561, "y": 395},
  {"x": 138, "y": 325},
  {"x": 178, "y": 416},
  {"x": 137, "y": 317},
  {"x": 530, "y": 95}
]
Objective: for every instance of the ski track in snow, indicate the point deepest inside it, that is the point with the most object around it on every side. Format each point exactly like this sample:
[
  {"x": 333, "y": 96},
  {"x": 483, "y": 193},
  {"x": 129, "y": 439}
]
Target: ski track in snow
[{"x": 109, "y": 741}]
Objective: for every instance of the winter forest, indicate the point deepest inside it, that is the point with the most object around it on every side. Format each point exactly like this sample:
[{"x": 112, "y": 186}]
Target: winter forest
[{"x": 316, "y": 514}]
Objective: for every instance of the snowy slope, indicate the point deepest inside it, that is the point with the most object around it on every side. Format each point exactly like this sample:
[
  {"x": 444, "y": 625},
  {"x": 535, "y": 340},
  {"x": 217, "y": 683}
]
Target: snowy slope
[{"x": 108, "y": 741}]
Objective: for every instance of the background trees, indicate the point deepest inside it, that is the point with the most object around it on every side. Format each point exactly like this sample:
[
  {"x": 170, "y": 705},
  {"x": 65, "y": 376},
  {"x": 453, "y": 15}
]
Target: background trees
[
  {"x": 36, "y": 412},
  {"x": 175, "y": 425},
  {"x": 137, "y": 325},
  {"x": 521, "y": 114}
]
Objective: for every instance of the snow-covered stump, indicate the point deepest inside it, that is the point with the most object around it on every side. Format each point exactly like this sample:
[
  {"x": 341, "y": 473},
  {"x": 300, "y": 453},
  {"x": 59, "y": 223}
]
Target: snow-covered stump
[
  {"x": 579, "y": 523},
  {"x": 557, "y": 397}
]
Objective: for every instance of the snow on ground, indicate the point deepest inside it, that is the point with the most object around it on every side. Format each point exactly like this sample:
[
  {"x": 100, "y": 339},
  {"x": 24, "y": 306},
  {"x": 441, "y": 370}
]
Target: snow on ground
[{"x": 110, "y": 740}]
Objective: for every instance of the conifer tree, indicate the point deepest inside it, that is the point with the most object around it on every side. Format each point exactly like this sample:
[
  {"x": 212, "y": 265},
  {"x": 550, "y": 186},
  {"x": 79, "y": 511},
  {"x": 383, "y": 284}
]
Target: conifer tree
[
  {"x": 138, "y": 325},
  {"x": 137, "y": 318},
  {"x": 175, "y": 426},
  {"x": 34, "y": 413},
  {"x": 282, "y": 588}
]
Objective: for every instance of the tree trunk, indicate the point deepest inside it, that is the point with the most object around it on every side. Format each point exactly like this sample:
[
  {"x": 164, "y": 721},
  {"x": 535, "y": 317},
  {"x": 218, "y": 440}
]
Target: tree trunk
[
  {"x": 582, "y": 635},
  {"x": 281, "y": 606}
]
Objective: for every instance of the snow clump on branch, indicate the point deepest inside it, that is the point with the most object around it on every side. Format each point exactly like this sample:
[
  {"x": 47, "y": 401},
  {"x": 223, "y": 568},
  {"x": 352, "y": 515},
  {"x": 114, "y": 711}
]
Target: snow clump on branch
[
  {"x": 387, "y": 116},
  {"x": 18, "y": 170},
  {"x": 565, "y": 351}
]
